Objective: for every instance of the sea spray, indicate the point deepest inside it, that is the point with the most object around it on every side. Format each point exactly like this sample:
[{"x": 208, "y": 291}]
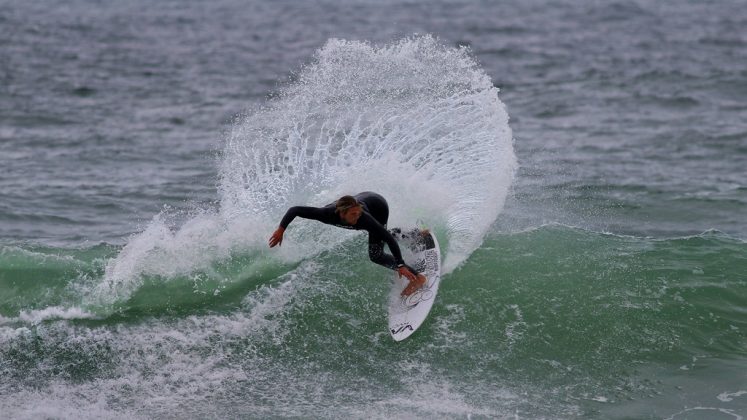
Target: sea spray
[{"x": 414, "y": 120}]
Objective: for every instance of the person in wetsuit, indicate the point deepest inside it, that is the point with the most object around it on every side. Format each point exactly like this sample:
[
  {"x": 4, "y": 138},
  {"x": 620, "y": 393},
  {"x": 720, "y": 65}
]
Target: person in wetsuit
[{"x": 366, "y": 211}]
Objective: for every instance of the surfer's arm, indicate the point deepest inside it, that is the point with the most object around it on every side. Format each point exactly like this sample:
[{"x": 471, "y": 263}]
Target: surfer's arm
[
  {"x": 401, "y": 268},
  {"x": 394, "y": 248},
  {"x": 376, "y": 254},
  {"x": 314, "y": 213}
]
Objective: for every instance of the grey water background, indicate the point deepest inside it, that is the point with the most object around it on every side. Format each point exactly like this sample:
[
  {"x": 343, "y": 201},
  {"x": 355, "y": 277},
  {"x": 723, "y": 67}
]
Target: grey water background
[
  {"x": 628, "y": 116},
  {"x": 629, "y": 119}
]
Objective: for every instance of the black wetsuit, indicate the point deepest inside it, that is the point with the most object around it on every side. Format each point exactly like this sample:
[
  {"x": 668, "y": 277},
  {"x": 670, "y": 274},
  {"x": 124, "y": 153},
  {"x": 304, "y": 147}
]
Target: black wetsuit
[{"x": 373, "y": 220}]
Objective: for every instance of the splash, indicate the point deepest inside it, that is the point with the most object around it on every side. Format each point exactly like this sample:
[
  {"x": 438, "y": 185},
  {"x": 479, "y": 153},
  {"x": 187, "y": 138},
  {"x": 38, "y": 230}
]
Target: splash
[{"x": 416, "y": 121}]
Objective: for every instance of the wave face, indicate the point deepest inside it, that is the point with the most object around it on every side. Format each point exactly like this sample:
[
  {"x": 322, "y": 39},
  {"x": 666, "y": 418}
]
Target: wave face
[
  {"x": 418, "y": 122},
  {"x": 553, "y": 322}
]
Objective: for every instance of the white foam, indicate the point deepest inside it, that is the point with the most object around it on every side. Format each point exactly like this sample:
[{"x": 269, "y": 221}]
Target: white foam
[
  {"x": 705, "y": 415},
  {"x": 9, "y": 333},
  {"x": 727, "y": 397},
  {"x": 161, "y": 367},
  {"x": 515, "y": 330},
  {"x": 36, "y": 316},
  {"x": 54, "y": 312},
  {"x": 167, "y": 249},
  {"x": 427, "y": 395},
  {"x": 444, "y": 326},
  {"x": 57, "y": 402}
]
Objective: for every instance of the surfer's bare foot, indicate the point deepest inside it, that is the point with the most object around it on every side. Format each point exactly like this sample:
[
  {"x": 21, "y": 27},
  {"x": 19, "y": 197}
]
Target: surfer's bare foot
[{"x": 414, "y": 285}]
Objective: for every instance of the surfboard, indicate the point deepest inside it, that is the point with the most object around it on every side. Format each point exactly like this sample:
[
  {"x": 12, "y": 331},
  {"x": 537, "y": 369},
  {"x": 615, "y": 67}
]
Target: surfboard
[{"x": 407, "y": 313}]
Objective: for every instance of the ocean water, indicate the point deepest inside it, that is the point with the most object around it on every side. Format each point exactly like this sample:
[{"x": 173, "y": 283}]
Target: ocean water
[{"x": 582, "y": 164}]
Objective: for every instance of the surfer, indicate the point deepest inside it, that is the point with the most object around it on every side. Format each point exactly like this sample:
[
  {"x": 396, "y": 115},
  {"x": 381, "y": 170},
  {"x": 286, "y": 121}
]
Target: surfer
[{"x": 366, "y": 211}]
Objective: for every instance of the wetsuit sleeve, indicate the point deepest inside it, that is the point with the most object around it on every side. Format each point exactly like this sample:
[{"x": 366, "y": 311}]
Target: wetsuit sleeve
[
  {"x": 375, "y": 228},
  {"x": 314, "y": 213}
]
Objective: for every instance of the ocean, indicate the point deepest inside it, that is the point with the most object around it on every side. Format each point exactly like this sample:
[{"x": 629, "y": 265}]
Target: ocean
[{"x": 581, "y": 163}]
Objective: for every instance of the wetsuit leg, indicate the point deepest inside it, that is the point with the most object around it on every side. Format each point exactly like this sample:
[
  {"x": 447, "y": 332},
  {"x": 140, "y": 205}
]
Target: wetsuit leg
[
  {"x": 379, "y": 209},
  {"x": 376, "y": 254}
]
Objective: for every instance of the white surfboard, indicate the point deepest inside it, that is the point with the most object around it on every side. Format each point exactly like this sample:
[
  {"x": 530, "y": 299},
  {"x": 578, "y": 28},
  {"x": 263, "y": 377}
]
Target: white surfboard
[{"x": 407, "y": 313}]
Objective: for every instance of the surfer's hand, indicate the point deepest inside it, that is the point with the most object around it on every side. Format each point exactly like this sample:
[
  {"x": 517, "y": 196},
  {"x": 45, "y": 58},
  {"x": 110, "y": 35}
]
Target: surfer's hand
[
  {"x": 404, "y": 271},
  {"x": 277, "y": 237}
]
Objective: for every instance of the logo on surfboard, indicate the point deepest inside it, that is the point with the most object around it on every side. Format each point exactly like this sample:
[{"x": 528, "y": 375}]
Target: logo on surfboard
[
  {"x": 401, "y": 328},
  {"x": 416, "y": 297}
]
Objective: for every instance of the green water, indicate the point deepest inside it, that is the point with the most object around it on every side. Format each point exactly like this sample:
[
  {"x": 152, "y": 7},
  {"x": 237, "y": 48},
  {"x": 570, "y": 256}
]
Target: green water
[{"x": 551, "y": 322}]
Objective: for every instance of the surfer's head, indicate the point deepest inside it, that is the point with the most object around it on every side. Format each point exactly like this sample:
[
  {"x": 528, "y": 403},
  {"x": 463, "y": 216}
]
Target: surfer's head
[{"x": 349, "y": 209}]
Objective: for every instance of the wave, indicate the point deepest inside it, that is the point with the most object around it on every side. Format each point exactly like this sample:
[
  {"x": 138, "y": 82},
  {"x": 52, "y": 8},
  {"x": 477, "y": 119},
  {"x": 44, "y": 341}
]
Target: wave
[
  {"x": 581, "y": 318},
  {"x": 545, "y": 262}
]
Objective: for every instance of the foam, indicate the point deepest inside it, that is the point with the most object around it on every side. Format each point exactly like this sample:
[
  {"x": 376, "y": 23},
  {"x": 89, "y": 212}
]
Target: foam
[
  {"x": 37, "y": 316},
  {"x": 54, "y": 312},
  {"x": 161, "y": 366},
  {"x": 728, "y": 397},
  {"x": 57, "y": 402},
  {"x": 167, "y": 249},
  {"x": 702, "y": 410}
]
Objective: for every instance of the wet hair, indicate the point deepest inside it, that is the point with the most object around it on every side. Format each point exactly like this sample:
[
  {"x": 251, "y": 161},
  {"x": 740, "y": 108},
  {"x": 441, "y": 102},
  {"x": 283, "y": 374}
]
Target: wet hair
[{"x": 345, "y": 203}]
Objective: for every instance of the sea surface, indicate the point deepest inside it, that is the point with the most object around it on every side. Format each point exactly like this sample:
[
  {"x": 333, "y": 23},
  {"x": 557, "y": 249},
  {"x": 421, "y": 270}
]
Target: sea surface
[{"x": 583, "y": 164}]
